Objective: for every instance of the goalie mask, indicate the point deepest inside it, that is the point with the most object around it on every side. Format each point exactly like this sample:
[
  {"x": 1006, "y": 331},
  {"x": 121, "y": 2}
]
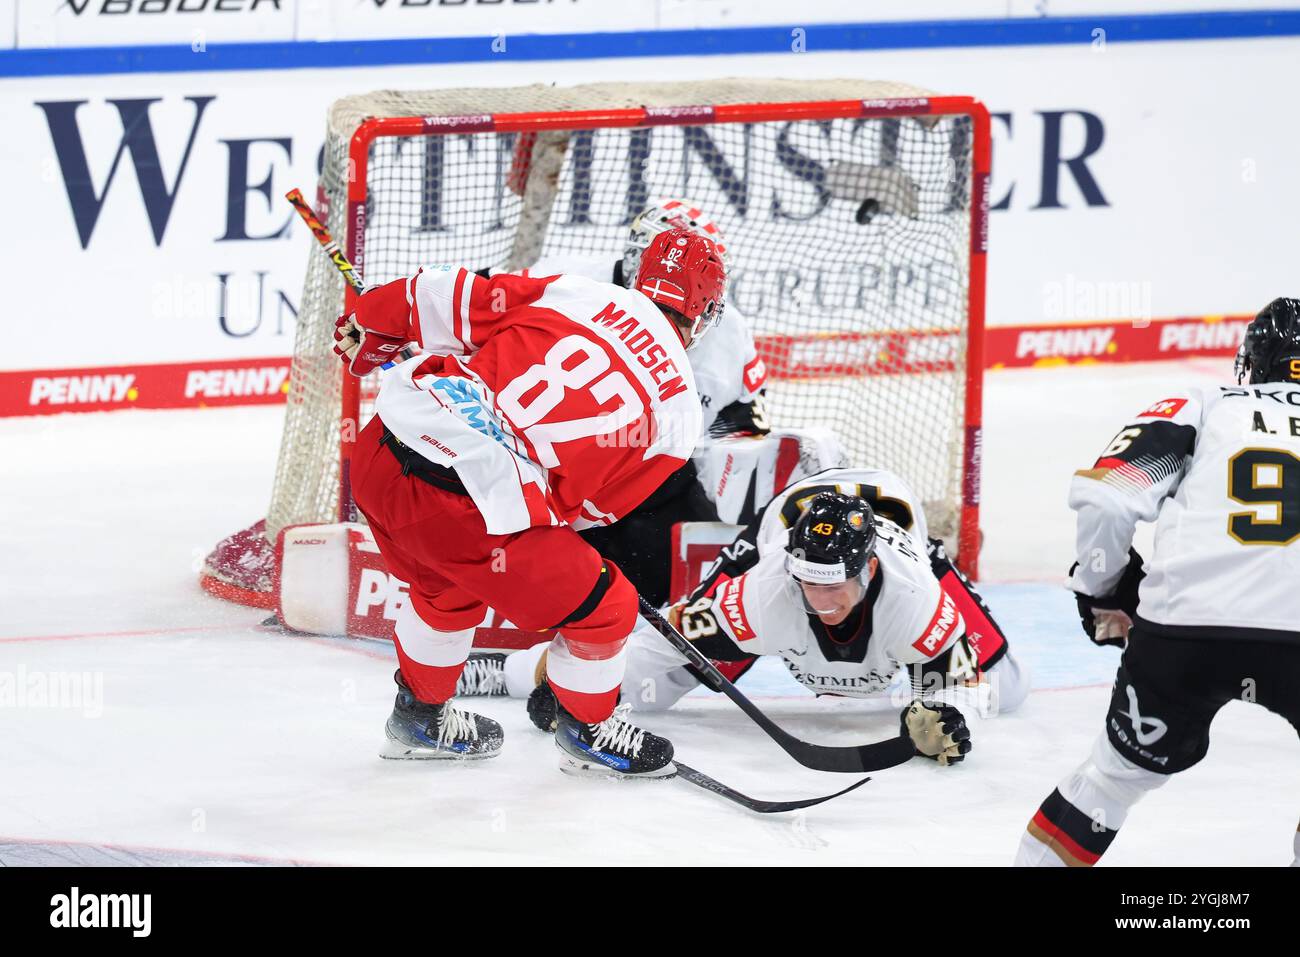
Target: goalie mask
[
  {"x": 1270, "y": 351},
  {"x": 661, "y": 216},
  {"x": 833, "y": 540}
]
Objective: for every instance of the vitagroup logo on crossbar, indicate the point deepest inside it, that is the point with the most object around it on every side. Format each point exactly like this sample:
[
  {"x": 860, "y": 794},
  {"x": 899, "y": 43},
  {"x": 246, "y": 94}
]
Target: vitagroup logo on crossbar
[{"x": 75, "y": 909}]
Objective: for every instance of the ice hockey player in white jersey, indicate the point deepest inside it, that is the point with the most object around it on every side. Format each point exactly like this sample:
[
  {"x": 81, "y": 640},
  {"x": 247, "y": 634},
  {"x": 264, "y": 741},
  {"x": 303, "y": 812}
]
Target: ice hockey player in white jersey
[
  {"x": 857, "y": 647},
  {"x": 1215, "y": 615},
  {"x": 847, "y": 600},
  {"x": 898, "y": 609}
]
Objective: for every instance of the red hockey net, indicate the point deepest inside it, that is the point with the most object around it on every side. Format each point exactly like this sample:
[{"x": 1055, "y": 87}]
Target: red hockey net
[{"x": 854, "y": 214}]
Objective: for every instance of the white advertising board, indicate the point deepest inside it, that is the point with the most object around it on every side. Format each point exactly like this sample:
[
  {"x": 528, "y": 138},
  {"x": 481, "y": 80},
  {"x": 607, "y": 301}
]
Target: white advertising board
[{"x": 1132, "y": 180}]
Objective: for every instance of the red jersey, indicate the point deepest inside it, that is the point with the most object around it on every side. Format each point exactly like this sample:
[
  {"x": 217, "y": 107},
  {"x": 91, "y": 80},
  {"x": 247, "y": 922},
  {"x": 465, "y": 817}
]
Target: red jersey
[{"x": 556, "y": 399}]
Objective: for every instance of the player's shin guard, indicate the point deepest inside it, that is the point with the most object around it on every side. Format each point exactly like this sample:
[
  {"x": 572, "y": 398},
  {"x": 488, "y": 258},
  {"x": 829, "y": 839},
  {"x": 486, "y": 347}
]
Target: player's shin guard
[
  {"x": 586, "y": 685},
  {"x": 430, "y": 660},
  {"x": 586, "y": 660},
  {"x": 1079, "y": 820}
]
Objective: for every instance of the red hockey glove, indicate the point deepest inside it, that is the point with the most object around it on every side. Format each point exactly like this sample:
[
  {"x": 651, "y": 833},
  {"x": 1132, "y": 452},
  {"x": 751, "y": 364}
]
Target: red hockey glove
[
  {"x": 376, "y": 329},
  {"x": 362, "y": 350}
]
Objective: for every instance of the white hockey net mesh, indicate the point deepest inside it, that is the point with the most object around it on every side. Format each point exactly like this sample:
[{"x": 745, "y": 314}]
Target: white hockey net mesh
[{"x": 849, "y": 241}]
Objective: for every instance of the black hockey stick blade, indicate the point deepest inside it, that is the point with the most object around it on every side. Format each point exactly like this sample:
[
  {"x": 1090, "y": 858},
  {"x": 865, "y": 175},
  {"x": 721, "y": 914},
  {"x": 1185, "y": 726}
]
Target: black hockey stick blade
[
  {"x": 820, "y": 757},
  {"x": 702, "y": 780}
]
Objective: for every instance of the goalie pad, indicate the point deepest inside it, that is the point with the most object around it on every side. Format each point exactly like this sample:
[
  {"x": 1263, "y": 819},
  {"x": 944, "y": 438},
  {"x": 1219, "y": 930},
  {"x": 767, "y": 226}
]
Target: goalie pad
[
  {"x": 332, "y": 580},
  {"x": 741, "y": 474}
]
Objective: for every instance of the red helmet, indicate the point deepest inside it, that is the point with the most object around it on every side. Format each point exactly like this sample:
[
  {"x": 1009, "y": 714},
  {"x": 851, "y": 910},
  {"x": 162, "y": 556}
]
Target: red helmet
[{"x": 683, "y": 270}]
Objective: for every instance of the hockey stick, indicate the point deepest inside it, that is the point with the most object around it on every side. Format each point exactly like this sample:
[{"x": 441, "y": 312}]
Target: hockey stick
[
  {"x": 322, "y": 234},
  {"x": 331, "y": 247},
  {"x": 864, "y": 757},
  {"x": 702, "y": 780}
]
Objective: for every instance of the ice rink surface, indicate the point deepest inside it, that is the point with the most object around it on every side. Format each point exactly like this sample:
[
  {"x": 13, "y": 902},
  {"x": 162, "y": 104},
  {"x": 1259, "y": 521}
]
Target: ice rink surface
[{"x": 205, "y": 738}]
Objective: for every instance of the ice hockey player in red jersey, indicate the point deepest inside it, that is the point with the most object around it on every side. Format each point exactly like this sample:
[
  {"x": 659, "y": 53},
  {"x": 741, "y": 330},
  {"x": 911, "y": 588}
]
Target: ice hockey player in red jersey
[
  {"x": 1215, "y": 615},
  {"x": 729, "y": 378},
  {"x": 539, "y": 407}
]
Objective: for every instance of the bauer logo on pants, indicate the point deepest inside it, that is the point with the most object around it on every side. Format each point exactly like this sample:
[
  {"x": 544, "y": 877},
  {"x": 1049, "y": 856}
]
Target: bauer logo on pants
[{"x": 1146, "y": 730}]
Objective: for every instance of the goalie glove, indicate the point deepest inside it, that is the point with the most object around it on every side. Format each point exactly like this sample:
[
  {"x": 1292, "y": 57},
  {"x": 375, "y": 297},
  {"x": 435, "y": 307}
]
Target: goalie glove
[
  {"x": 938, "y": 731},
  {"x": 1107, "y": 619},
  {"x": 376, "y": 329}
]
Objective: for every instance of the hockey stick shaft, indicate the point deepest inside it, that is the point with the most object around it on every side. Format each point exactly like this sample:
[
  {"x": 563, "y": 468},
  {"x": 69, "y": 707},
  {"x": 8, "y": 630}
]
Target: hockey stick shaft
[
  {"x": 322, "y": 234},
  {"x": 819, "y": 757},
  {"x": 331, "y": 247},
  {"x": 702, "y": 780}
]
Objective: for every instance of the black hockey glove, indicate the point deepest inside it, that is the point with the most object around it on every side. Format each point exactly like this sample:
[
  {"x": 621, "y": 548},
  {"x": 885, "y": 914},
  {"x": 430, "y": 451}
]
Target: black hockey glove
[
  {"x": 742, "y": 418},
  {"x": 1124, "y": 599},
  {"x": 938, "y": 731},
  {"x": 542, "y": 708}
]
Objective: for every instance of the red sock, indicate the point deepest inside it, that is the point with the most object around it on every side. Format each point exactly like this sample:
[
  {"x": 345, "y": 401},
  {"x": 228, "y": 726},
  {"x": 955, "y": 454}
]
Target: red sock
[
  {"x": 429, "y": 683},
  {"x": 587, "y": 708}
]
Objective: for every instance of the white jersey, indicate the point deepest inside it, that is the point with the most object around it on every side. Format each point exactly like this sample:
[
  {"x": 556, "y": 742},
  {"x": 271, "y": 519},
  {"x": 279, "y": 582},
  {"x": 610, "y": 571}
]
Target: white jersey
[
  {"x": 906, "y": 618},
  {"x": 1218, "y": 470},
  {"x": 890, "y": 497},
  {"x": 726, "y": 363}
]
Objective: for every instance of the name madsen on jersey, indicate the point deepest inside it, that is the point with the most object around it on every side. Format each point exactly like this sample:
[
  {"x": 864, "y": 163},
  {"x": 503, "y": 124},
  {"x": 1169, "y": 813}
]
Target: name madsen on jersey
[{"x": 648, "y": 352}]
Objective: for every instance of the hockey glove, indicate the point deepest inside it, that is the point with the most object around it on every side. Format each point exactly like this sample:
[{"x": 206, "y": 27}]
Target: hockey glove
[
  {"x": 1107, "y": 620},
  {"x": 376, "y": 329},
  {"x": 938, "y": 731},
  {"x": 542, "y": 708},
  {"x": 361, "y": 350}
]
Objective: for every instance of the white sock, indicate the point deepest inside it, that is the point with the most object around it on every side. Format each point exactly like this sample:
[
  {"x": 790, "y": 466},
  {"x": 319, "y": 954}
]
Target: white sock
[{"x": 1097, "y": 798}]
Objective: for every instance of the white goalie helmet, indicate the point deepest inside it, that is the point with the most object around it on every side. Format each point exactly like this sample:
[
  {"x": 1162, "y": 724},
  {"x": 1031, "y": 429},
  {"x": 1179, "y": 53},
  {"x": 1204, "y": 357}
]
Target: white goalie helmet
[{"x": 663, "y": 214}]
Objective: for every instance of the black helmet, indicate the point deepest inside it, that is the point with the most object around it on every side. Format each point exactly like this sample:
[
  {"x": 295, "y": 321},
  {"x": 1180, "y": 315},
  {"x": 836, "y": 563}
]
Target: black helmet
[
  {"x": 833, "y": 539},
  {"x": 1271, "y": 350}
]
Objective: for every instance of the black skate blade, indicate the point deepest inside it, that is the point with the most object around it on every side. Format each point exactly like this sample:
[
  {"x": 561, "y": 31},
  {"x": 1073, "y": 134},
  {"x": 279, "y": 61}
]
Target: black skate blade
[{"x": 702, "y": 780}]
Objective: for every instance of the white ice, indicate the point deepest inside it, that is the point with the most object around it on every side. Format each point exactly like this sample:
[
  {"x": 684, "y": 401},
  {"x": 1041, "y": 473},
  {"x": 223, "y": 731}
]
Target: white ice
[{"x": 206, "y": 738}]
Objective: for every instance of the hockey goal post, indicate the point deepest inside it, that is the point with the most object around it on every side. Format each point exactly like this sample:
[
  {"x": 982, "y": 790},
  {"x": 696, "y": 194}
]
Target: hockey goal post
[{"x": 855, "y": 216}]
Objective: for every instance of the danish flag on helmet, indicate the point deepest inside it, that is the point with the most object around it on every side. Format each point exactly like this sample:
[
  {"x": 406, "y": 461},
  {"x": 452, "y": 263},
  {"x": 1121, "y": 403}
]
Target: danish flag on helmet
[{"x": 683, "y": 271}]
